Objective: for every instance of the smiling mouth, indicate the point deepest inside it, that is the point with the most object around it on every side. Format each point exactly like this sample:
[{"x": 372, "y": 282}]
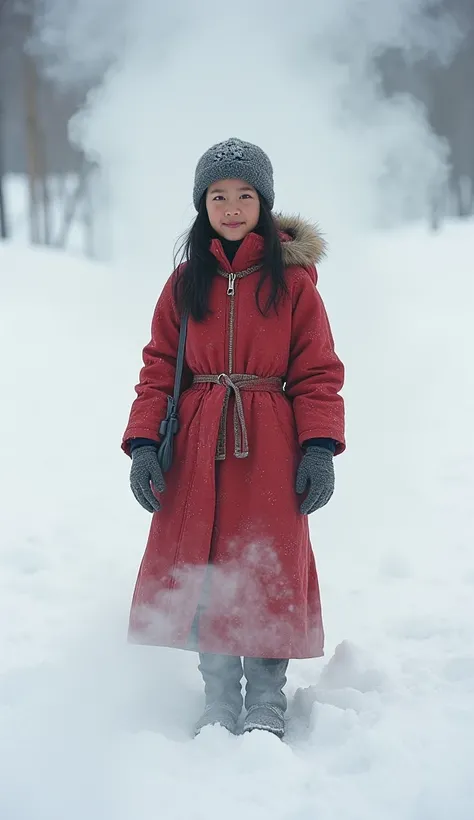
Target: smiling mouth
[{"x": 233, "y": 224}]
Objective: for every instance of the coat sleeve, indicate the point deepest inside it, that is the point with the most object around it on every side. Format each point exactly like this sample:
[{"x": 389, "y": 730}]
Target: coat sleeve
[
  {"x": 315, "y": 373},
  {"x": 158, "y": 372}
]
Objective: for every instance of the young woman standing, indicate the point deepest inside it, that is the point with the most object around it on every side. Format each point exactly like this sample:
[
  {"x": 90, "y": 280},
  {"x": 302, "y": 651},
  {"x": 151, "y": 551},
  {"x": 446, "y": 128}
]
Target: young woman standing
[{"x": 229, "y": 569}]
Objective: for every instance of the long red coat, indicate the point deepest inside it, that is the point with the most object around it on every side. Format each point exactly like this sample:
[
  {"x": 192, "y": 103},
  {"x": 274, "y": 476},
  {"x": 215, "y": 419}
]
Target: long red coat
[{"x": 229, "y": 538}]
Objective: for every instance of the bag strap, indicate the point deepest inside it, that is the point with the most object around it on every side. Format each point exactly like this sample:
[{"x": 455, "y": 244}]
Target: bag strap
[{"x": 180, "y": 357}]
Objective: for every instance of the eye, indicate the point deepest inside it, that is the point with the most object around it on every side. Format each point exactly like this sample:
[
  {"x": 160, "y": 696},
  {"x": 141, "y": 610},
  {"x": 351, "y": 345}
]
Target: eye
[
  {"x": 248, "y": 196},
  {"x": 217, "y": 197}
]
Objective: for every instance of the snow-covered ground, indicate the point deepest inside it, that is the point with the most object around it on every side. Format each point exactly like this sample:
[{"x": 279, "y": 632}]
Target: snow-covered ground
[{"x": 383, "y": 727}]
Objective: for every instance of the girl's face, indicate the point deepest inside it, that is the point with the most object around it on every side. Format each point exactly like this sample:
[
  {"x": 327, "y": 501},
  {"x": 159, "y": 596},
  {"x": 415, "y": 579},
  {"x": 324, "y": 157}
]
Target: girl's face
[{"x": 233, "y": 207}]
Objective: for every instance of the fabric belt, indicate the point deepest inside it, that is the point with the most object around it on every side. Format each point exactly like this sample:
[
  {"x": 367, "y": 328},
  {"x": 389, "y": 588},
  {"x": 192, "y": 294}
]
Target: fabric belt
[{"x": 236, "y": 383}]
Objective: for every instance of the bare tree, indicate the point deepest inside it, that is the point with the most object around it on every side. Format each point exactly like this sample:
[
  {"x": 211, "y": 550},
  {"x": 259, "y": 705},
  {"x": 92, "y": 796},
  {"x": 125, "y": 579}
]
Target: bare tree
[
  {"x": 40, "y": 212},
  {"x": 3, "y": 205},
  {"x": 446, "y": 91}
]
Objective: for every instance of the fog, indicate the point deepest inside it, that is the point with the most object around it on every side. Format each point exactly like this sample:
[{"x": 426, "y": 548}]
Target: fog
[{"x": 301, "y": 81}]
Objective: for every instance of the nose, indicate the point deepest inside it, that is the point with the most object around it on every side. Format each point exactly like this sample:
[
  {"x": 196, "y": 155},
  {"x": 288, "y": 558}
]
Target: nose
[{"x": 232, "y": 209}]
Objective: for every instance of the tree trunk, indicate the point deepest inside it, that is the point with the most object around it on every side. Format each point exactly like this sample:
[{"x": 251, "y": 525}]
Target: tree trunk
[
  {"x": 3, "y": 214},
  {"x": 88, "y": 217},
  {"x": 30, "y": 88},
  {"x": 71, "y": 206},
  {"x": 464, "y": 196}
]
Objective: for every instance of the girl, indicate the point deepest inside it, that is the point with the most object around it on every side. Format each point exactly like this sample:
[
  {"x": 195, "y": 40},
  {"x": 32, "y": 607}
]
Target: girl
[{"x": 228, "y": 568}]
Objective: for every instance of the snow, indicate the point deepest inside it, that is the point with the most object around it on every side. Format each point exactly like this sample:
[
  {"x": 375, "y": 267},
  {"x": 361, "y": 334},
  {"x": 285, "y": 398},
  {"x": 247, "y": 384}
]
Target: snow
[{"x": 384, "y": 725}]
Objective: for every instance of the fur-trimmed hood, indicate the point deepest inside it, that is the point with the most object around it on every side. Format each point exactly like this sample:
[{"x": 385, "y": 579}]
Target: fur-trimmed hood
[{"x": 302, "y": 243}]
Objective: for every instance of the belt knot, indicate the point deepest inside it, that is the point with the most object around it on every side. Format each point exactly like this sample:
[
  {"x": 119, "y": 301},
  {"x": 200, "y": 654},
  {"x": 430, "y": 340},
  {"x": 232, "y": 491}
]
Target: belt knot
[{"x": 234, "y": 384}]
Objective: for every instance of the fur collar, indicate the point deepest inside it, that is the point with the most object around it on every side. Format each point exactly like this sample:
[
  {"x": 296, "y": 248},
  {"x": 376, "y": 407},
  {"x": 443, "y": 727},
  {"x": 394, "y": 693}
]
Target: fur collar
[{"x": 303, "y": 244}]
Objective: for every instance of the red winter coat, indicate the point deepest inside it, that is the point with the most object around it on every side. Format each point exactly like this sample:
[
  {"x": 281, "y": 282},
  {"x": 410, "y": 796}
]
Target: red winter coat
[{"x": 229, "y": 537}]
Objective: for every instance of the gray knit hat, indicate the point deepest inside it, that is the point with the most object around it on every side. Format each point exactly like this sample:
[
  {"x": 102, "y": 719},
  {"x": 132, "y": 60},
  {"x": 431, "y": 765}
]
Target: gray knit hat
[{"x": 234, "y": 159}]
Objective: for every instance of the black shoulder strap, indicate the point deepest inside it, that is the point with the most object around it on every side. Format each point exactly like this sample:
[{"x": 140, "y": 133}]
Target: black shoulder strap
[{"x": 180, "y": 357}]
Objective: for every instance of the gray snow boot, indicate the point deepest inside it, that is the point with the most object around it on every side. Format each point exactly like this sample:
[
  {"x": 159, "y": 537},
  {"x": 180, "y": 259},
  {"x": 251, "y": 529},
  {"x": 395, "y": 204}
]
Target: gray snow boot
[
  {"x": 266, "y": 717},
  {"x": 217, "y": 713},
  {"x": 222, "y": 675},
  {"x": 265, "y": 700}
]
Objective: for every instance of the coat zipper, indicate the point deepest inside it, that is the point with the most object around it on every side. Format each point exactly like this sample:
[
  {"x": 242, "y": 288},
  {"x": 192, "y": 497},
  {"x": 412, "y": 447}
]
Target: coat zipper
[
  {"x": 231, "y": 295},
  {"x": 231, "y": 287}
]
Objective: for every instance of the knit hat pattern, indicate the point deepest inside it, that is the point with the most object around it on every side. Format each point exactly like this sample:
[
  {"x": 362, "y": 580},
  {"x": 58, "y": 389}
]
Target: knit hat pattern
[{"x": 234, "y": 159}]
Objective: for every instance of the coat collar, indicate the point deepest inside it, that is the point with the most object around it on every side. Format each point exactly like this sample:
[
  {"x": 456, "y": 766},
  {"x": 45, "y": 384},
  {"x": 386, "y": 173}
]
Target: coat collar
[{"x": 302, "y": 245}]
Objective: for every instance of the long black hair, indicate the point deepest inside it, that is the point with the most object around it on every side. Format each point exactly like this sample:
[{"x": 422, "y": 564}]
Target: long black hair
[{"x": 197, "y": 266}]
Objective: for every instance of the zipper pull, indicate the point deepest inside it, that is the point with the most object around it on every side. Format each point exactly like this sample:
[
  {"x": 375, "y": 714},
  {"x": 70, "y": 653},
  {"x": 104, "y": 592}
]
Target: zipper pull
[{"x": 231, "y": 288}]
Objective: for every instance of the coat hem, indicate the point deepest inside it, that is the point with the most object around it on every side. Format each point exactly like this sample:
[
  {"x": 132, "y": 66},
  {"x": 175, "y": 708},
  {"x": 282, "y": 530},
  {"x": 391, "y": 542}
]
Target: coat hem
[{"x": 141, "y": 639}]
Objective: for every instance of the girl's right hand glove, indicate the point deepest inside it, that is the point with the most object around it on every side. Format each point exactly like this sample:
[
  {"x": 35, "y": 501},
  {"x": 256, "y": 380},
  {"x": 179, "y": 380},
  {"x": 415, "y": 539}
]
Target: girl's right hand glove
[
  {"x": 317, "y": 470},
  {"x": 146, "y": 471}
]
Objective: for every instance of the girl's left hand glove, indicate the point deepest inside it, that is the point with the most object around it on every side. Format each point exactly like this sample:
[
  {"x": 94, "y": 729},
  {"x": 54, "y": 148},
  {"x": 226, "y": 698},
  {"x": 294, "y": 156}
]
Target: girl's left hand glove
[{"x": 317, "y": 469}]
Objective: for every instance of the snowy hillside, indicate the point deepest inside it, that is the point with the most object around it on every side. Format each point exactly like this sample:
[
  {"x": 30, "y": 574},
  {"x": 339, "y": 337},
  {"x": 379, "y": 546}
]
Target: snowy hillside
[{"x": 90, "y": 727}]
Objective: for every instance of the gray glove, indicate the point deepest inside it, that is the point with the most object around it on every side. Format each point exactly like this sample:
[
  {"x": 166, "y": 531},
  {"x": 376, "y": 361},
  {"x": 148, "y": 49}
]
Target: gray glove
[
  {"x": 146, "y": 471},
  {"x": 317, "y": 468}
]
